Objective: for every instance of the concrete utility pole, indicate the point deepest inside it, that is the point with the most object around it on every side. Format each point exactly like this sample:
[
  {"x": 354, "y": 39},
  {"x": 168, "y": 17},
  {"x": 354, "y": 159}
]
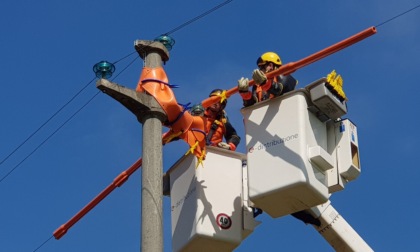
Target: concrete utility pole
[{"x": 149, "y": 113}]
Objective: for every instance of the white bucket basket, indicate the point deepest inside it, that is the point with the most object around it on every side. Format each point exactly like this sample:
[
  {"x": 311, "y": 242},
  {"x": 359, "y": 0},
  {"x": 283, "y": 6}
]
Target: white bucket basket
[
  {"x": 287, "y": 153},
  {"x": 207, "y": 203}
]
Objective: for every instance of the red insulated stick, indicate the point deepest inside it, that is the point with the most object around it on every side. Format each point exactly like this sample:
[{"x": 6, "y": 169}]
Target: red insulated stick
[{"x": 118, "y": 181}]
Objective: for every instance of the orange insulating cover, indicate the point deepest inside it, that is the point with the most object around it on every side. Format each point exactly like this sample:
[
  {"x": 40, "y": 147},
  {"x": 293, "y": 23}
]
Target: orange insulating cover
[{"x": 154, "y": 82}]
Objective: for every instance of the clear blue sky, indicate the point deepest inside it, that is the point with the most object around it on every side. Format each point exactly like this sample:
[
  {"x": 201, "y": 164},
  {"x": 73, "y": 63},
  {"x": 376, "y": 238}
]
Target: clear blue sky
[{"x": 48, "y": 49}]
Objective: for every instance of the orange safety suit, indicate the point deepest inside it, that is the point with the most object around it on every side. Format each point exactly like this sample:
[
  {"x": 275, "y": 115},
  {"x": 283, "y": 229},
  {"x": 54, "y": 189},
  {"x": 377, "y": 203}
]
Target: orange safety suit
[
  {"x": 270, "y": 88},
  {"x": 218, "y": 128}
]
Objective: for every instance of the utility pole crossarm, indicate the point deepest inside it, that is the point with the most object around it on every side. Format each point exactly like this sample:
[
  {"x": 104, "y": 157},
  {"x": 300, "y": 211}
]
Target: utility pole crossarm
[{"x": 138, "y": 103}]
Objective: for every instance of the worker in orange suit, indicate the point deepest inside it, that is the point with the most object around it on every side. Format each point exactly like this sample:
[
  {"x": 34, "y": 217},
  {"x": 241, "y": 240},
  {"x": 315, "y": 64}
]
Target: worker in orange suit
[
  {"x": 217, "y": 123},
  {"x": 265, "y": 88}
]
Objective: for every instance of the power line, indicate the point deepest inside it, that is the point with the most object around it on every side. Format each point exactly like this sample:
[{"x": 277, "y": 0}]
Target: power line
[
  {"x": 198, "y": 17},
  {"x": 125, "y": 68},
  {"x": 54, "y": 115},
  {"x": 48, "y": 138},
  {"x": 46, "y": 122},
  {"x": 60, "y": 127},
  {"x": 397, "y": 16},
  {"x": 124, "y": 58},
  {"x": 43, "y": 243}
]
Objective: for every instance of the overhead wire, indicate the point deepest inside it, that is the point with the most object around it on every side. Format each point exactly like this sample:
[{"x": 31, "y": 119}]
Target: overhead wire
[
  {"x": 43, "y": 243},
  {"x": 54, "y": 115},
  {"x": 61, "y": 126},
  {"x": 46, "y": 122},
  {"x": 198, "y": 17},
  {"x": 397, "y": 16},
  {"x": 48, "y": 138}
]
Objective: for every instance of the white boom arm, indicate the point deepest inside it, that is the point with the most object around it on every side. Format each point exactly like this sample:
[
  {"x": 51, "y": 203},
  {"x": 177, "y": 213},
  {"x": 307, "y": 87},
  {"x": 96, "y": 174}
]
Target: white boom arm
[{"x": 336, "y": 231}]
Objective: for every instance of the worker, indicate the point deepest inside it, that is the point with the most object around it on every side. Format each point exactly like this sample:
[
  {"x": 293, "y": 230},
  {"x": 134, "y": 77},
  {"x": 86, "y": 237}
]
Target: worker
[
  {"x": 265, "y": 88},
  {"x": 217, "y": 123}
]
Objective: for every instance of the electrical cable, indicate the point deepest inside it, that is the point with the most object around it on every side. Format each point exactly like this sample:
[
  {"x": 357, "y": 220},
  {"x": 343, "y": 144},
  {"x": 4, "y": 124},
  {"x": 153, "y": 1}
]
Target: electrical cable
[
  {"x": 54, "y": 115},
  {"x": 125, "y": 68},
  {"x": 61, "y": 126},
  {"x": 397, "y": 16},
  {"x": 198, "y": 17},
  {"x": 45, "y": 140},
  {"x": 46, "y": 122},
  {"x": 43, "y": 243},
  {"x": 128, "y": 55}
]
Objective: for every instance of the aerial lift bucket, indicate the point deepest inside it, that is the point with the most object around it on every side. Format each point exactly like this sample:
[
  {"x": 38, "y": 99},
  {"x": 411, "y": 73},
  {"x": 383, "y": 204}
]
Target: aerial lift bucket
[
  {"x": 288, "y": 150},
  {"x": 209, "y": 209}
]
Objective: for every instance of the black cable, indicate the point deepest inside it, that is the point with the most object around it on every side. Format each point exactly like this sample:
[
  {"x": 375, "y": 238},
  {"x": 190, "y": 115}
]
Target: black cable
[
  {"x": 125, "y": 68},
  {"x": 198, "y": 17},
  {"x": 47, "y": 121},
  {"x": 124, "y": 57},
  {"x": 43, "y": 243},
  {"x": 61, "y": 126},
  {"x": 43, "y": 142},
  {"x": 397, "y": 16},
  {"x": 56, "y": 113}
]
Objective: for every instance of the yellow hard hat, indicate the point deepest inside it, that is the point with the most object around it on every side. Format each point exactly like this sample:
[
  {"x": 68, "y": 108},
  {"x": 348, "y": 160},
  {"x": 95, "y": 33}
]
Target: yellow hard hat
[{"x": 269, "y": 57}]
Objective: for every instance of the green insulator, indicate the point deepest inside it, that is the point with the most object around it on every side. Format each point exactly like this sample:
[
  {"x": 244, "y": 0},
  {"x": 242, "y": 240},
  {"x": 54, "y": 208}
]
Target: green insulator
[
  {"x": 167, "y": 41},
  {"x": 104, "y": 69}
]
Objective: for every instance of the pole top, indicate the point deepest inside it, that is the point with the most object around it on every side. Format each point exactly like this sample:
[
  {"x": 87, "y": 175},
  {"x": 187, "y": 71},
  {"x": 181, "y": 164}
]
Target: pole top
[{"x": 145, "y": 47}]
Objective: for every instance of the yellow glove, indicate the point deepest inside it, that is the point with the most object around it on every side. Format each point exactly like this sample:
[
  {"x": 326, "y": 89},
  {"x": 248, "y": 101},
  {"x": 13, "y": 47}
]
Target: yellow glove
[
  {"x": 243, "y": 84},
  {"x": 258, "y": 76}
]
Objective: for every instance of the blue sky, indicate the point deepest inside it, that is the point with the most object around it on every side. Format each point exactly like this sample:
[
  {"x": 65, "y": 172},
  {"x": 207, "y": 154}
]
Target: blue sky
[{"x": 48, "y": 49}]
